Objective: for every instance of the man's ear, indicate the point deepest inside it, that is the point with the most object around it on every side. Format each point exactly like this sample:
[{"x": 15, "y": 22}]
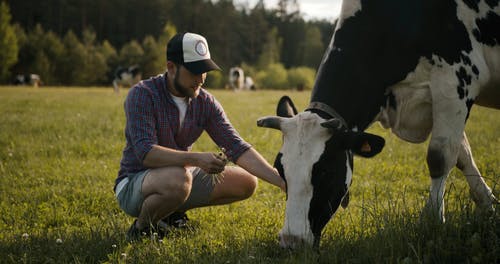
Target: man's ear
[
  {"x": 363, "y": 144},
  {"x": 171, "y": 67}
]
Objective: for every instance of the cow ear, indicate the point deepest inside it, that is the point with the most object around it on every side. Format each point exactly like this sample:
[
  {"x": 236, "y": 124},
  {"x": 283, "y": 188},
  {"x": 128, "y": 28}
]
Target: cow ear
[
  {"x": 286, "y": 108},
  {"x": 365, "y": 144}
]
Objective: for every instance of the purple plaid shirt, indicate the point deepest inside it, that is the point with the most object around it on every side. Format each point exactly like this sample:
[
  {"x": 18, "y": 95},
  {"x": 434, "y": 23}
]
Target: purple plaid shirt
[{"x": 153, "y": 119}]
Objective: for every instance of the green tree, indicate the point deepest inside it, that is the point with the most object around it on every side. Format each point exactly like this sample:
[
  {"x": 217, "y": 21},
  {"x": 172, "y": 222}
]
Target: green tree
[
  {"x": 73, "y": 60},
  {"x": 301, "y": 78},
  {"x": 110, "y": 56},
  {"x": 271, "y": 50},
  {"x": 131, "y": 53},
  {"x": 50, "y": 45},
  {"x": 169, "y": 30},
  {"x": 40, "y": 52},
  {"x": 274, "y": 76},
  {"x": 313, "y": 48},
  {"x": 94, "y": 67},
  {"x": 8, "y": 42},
  {"x": 153, "y": 61}
]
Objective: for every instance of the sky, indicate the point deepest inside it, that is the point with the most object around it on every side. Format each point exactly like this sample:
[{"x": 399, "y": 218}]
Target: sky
[{"x": 311, "y": 9}]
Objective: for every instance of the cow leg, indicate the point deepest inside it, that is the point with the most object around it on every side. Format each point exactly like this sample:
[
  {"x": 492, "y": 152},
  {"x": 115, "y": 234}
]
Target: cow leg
[
  {"x": 481, "y": 193},
  {"x": 441, "y": 157},
  {"x": 116, "y": 87},
  {"x": 448, "y": 114}
]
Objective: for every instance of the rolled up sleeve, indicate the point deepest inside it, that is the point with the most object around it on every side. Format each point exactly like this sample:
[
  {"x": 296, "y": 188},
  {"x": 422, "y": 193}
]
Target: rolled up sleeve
[
  {"x": 222, "y": 132},
  {"x": 140, "y": 127}
]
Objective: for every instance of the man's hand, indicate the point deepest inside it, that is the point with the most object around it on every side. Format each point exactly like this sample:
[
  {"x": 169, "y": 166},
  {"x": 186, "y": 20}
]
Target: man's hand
[{"x": 211, "y": 163}]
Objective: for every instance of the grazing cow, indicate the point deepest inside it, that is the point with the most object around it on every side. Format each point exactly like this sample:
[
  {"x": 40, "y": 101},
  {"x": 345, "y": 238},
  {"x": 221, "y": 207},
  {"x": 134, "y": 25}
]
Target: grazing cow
[
  {"x": 236, "y": 78},
  {"x": 28, "y": 79},
  {"x": 126, "y": 76},
  {"x": 249, "y": 84},
  {"x": 418, "y": 66}
]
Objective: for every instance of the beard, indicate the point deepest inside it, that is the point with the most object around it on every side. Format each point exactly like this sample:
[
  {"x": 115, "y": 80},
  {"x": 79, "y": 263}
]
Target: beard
[{"x": 183, "y": 91}]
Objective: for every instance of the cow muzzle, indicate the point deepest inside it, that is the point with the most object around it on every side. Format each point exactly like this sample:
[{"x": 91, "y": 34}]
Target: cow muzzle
[{"x": 291, "y": 241}]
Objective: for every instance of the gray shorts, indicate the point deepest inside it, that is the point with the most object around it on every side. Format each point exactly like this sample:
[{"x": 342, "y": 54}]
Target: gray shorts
[{"x": 130, "y": 198}]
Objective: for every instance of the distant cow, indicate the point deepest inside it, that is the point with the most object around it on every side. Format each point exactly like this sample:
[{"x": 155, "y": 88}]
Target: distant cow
[
  {"x": 126, "y": 77},
  {"x": 249, "y": 84},
  {"x": 418, "y": 67},
  {"x": 28, "y": 79},
  {"x": 236, "y": 78}
]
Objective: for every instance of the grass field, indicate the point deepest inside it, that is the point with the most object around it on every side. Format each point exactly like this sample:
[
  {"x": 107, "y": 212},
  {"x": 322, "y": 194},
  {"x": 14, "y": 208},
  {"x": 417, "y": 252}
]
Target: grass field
[{"x": 60, "y": 151}]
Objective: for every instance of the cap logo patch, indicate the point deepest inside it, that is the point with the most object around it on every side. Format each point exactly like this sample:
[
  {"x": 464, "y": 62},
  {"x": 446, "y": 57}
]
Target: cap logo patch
[{"x": 201, "y": 48}]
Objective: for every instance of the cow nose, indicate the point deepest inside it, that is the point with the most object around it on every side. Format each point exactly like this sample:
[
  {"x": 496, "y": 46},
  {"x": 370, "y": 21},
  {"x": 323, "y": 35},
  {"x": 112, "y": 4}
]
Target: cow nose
[{"x": 291, "y": 241}]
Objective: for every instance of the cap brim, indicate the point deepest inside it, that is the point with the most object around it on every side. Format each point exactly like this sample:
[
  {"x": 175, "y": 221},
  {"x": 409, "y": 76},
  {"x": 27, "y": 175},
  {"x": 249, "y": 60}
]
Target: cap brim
[{"x": 199, "y": 67}]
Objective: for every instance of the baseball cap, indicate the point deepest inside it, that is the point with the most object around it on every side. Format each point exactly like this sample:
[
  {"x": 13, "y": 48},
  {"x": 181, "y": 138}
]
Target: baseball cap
[{"x": 191, "y": 50}]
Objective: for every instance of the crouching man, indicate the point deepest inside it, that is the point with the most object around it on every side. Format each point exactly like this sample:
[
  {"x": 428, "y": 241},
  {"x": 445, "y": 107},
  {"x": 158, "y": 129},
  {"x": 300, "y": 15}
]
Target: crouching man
[{"x": 160, "y": 178}]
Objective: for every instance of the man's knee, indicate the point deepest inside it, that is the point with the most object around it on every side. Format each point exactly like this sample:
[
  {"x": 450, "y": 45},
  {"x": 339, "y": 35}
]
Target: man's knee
[
  {"x": 172, "y": 181},
  {"x": 249, "y": 188}
]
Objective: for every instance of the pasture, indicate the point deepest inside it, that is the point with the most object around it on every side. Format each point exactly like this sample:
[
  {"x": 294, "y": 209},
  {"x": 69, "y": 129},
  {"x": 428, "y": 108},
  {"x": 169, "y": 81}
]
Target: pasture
[{"x": 60, "y": 150}]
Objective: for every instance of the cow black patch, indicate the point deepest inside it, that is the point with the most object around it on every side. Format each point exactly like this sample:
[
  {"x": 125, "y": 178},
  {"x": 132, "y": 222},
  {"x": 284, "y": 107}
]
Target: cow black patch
[
  {"x": 473, "y": 4},
  {"x": 329, "y": 186},
  {"x": 488, "y": 29},
  {"x": 492, "y": 3},
  {"x": 466, "y": 59},
  {"x": 469, "y": 104},
  {"x": 279, "y": 166},
  {"x": 464, "y": 79},
  {"x": 475, "y": 70}
]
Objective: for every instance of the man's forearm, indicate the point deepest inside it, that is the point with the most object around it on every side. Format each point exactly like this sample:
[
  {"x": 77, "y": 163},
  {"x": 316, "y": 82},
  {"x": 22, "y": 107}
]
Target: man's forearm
[
  {"x": 160, "y": 156},
  {"x": 254, "y": 163}
]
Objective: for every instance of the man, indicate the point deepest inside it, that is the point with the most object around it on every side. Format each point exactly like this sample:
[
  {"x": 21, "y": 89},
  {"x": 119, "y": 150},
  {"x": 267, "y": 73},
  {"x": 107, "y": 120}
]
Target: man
[{"x": 159, "y": 177}]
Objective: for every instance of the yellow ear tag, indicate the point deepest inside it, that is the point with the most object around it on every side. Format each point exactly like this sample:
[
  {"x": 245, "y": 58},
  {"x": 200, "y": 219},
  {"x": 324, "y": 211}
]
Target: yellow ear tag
[{"x": 366, "y": 147}]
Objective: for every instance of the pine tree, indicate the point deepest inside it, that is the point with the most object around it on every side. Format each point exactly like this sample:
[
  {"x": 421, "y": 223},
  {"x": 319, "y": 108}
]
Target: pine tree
[{"x": 8, "y": 42}]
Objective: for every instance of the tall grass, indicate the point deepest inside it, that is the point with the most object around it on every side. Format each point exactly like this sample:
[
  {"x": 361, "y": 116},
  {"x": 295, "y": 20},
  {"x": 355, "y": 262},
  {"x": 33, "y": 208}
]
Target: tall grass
[{"x": 60, "y": 151}]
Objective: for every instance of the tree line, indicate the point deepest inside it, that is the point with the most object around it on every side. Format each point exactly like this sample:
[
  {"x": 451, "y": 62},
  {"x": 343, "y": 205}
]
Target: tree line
[{"x": 78, "y": 42}]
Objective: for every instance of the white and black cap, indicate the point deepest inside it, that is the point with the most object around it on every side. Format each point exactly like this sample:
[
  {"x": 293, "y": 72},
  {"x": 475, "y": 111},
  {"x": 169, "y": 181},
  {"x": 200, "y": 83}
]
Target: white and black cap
[{"x": 191, "y": 50}]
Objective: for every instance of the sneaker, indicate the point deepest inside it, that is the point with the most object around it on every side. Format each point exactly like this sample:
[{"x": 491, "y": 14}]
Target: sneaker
[
  {"x": 176, "y": 219},
  {"x": 135, "y": 234}
]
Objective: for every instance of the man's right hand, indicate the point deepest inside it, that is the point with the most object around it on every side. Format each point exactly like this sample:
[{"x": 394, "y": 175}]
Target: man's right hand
[{"x": 211, "y": 163}]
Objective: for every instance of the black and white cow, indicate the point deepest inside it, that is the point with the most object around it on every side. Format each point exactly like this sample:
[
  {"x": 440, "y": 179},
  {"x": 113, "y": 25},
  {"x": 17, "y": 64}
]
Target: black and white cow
[
  {"x": 28, "y": 79},
  {"x": 236, "y": 78},
  {"x": 417, "y": 66},
  {"x": 126, "y": 76}
]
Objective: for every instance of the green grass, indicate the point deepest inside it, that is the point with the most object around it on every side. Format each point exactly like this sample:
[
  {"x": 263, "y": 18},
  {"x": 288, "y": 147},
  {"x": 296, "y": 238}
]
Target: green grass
[{"x": 60, "y": 151}]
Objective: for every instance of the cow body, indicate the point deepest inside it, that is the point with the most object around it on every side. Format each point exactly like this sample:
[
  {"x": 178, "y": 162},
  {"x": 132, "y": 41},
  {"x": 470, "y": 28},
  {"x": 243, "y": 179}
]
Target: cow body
[
  {"x": 126, "y": 76},
  {"x": 236, "y": 78},
  {"x": 417, "y": 67}
]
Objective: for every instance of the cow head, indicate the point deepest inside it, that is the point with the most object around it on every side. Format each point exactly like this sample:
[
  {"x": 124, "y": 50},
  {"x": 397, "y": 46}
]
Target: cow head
[{"x": 316, "y": 162}]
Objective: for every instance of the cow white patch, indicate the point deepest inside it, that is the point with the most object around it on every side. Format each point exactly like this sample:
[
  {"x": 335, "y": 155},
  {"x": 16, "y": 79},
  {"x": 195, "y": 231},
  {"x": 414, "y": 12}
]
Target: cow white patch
[
  {"x": 411, "y": 120},
  {"x": 304, "y": 142},
  {"x": 349, "y": 8}
]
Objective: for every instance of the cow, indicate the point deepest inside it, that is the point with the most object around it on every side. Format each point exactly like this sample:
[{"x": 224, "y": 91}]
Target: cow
[
  {"x": 418, "y": 67},
  {"x": 28, "y": 79},
  {"x": 236, "y": 78},
  {"x": 126, "y": 76},
  {"x": 249, "y": 84}
]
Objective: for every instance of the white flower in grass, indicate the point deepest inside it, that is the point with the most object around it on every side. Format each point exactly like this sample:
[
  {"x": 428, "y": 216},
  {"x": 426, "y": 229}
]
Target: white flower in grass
[
  {"x": 124, "y": 255},
  {"x": 113, "y": 246},
  {"x": 25, "y": 236},
  {"x": 59, "y": 241}
]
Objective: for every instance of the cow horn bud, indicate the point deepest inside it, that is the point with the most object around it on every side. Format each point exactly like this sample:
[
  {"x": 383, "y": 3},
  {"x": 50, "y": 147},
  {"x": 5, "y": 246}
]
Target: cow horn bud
[{"x": 270, "y": 122}]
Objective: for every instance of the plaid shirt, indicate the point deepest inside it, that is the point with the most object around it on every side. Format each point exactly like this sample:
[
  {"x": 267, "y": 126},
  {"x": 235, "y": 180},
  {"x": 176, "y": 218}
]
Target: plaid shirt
[{"x": 153, "y": 119}]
